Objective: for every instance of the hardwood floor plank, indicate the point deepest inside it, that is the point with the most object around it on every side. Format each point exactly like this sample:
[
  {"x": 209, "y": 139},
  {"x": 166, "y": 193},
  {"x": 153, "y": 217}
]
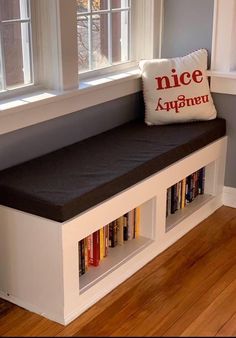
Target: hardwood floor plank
[
  {"x": 229, "y": 329},
  {"x": 184, "y": 320},
  {"x": 211, "y": 320},
  {"x": 173, "y": 300}
]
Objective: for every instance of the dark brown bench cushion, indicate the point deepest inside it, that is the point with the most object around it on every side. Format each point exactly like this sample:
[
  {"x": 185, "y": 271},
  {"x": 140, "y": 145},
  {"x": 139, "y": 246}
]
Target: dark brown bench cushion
[{"x": 64, "y": 183}]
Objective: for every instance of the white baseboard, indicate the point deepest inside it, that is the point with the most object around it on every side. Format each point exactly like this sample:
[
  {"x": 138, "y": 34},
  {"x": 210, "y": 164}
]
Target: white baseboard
[{"x": 229, "y": 197}]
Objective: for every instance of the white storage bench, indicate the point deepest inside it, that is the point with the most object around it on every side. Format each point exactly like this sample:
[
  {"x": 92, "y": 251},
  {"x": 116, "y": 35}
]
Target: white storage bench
[{"x": 51, "y": 203}]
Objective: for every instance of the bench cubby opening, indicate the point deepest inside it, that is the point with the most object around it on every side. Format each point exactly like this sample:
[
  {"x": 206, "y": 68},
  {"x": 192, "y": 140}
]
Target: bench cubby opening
[
  {"x": 191, "y": 193},
  {"x": 121, "y": 254}
]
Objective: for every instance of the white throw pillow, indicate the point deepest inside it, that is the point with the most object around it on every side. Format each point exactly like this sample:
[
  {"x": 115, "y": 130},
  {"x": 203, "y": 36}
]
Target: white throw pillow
[{"x": 177, "y": 90}]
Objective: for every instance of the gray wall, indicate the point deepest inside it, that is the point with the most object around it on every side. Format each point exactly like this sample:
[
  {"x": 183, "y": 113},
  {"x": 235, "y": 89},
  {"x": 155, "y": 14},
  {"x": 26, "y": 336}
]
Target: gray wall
[
  {"x": 187, "y": 27},
  {"x": 31, "y": 142}
]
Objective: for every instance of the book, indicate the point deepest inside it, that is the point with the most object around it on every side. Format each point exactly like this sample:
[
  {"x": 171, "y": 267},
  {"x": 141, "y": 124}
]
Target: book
[
  {"x": 173, "y": 198},
  {"x": 86, "y": 254},
  {"x": 113, "y": 234},
  {"x": 90, "y": 249},
  {"x": 202, "y": 174},
  {"x": 83, "y": 270},
  {"x": 126, "y": 233},
  {"x": 169, "y": 201},
  {"x": 179, "y": 193},
  {"x": 96, "y": 248},
  {"x": 80, "y": 259},
  {"x": 190, "y": 189},
  {"x": 106, "y": 240},
  {"x": 183, "y": 197},
  {"x": 120, "y": 230},
  {"x": 137, "y": 213},
  {"x": 131, "y": 224},
  {"x": 101, "y": 235}
]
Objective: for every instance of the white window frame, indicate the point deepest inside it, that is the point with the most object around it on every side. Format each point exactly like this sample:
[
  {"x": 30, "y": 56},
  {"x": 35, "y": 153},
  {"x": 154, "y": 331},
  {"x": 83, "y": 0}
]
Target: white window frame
[
  {"x": 56, "y": 71},
  {"x": 223, "y": 59},
  {"x": 27, "y": 59}
]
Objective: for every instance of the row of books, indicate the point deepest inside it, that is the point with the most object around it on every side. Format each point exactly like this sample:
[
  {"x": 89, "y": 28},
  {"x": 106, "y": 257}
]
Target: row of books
[
  {"x": 94, "y": 248},
  {"x": 185, "y": 191}
]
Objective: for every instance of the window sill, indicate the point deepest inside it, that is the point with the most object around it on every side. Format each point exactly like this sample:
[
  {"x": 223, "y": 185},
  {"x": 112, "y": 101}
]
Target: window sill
[
  {"x": 223, "y": 82},
  {"x": 43, "y": 105}
]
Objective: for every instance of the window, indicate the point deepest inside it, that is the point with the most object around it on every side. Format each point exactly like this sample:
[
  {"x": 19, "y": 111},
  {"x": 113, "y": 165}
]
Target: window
[
  {"x": 223, "y": 65},
  {"x": 15, "y": 44},
  {"x": 103, "y": 33},
  {"x": 110, "y": 35}
]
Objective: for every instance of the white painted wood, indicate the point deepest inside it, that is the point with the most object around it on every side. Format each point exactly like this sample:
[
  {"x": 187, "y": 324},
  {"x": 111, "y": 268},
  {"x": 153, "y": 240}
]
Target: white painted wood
[
  {"x": 39, "y": 258},
  {"x": 56, "y": 34},
  {"x": 222, "y": 34},
  {"x": 229, "y": 197},
  {"x": 47, "y": 35},
  {"x": 223, "y": 85},
  {"x": 31, "y": 262},
  {"x": 147, "y": 21},
  {"x": 223, "y": 60},
  {"x": 44, "y": 105}
]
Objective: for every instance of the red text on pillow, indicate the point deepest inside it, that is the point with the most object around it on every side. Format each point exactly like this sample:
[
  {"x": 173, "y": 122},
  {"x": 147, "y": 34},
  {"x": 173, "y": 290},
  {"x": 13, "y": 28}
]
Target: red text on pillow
[{"x": 166, "y": 82}]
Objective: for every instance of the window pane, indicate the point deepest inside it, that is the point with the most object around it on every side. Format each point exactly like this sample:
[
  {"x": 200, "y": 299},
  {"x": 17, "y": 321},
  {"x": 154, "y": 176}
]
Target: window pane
[
  {"x": 119, "y": 4},
  {"x": 98, "y": 5},
  {"x": 83, "y": 43},
  {"x": 100, "y": 41},
  {"x": 82, "y": 6},
  {"x": 120, "y": 36},
  {"x": 16, "y": 48},
  {"x": 13, "y": 9}
]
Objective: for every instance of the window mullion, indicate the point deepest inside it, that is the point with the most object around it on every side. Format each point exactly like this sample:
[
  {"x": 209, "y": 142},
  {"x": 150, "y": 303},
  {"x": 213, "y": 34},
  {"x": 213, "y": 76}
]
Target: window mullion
[
  {"x": 26, "y": 43},
  {"x": 2, "y": 64},
  {"x": 90, "y": 35},
  {"x": 109, "y": 33}
]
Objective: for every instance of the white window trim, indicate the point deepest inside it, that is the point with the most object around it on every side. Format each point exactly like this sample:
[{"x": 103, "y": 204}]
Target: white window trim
[
  {"x": 60, "y": 94},
  {"x": 26, "y": 37},
  {"x": 223, "y": 71}
]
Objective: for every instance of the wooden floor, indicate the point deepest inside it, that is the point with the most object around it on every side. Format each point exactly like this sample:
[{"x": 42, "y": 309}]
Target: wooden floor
[{"x": 189, "y": 290}]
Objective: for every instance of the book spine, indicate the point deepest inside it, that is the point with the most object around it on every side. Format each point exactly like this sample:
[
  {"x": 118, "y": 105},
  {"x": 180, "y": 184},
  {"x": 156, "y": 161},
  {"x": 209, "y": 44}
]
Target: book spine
[
  {"x": 86, "y": 254},
  {"x": 83, "y": 257},
  {"x": 190, "y": 187},
  {"x": 96, "y": 248},
  {"x": 113, "y": 234},
  {"x": 179, "y": 195},
  {"x": 106, "y": 239},
  {"x": 196, "y": 184},
  {"x": 101, "y": 234},
  {"x": 203, "y": 180},
  {"x": 173, "y": 193},
  {"x": 90, "y": 249},
  {"x": 169, "y": 201},
  {"x": 120, "y": 230},
  {"x": 126, "y": 233},
  {"x": 80, "y": 259},
  {"x": 131, "y": 224},
  {"x": 137, "y": 221},
  {"x": 183, "y": 197}
]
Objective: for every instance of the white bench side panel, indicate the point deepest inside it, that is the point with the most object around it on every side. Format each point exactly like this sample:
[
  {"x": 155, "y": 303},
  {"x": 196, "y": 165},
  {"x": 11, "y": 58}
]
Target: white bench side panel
[{"x": 31, "y": 262}]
